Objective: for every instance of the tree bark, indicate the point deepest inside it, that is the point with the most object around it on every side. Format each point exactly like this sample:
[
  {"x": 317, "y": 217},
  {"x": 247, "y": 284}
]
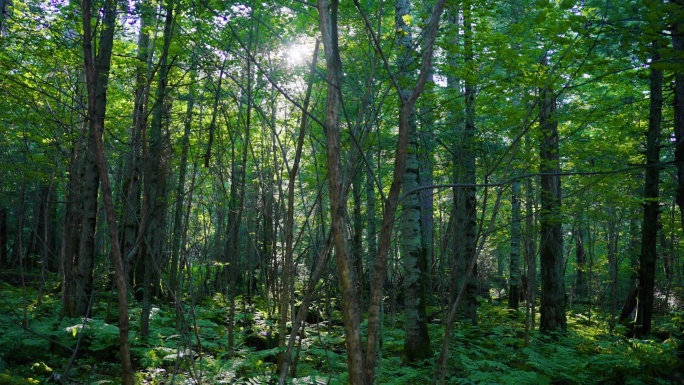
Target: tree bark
[
  {"x": 417, "y": 341},
  {"x": 155, "y": 181},
  {"x": 328, "y": 11},
  {"x": 97, "y": 76},
  {"x": 467, "y": 157},
  {"x": 552, "y": 309},
  {"x": 178, "y": 224},
  {"x": 581, "y": 283},
  {"x": 132, "y": 175},
  {"x": 407, "y": 106},
  {"x": 515, "y": 280},
  {"x": 649, "y": 228}
]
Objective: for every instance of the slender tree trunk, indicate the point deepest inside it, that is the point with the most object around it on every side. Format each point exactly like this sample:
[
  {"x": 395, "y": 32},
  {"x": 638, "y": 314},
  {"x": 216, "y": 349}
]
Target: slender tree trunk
[
  {"x": 530, "y": 254},
  {"x": 289, "y": 219},
  {"x": 328, "y": 12},
  {"x": 613, "y": 263},
  {"x": 581, "y": 284},
  {"x": 178, "y": 224},
  {"x": 88, "y": 217},
  {"x": 417, "y": 341},
  {"x": 649, "y": 228},
  {"x": 407, "y": 106},
  {"x": 3, "y": 236},
  {"x": 237, "y": 206},
  {"x": 132, "y": 176},
  {"x": 357, "y": 228},
  {"x": 469, "y": 202},
  {"x": 97, "y": 76},
  {"x": 71, "y": 229},
  {"x": 634, "y": 248},
  {"x": 155, "y": 181},
  {"x": 551, "y": 253},
  {"x": 515, "y": 280}
]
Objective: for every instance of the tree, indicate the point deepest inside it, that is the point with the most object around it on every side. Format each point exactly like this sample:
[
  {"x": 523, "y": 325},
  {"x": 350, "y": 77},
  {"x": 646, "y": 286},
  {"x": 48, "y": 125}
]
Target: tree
[
  {"x": 328, "y": 16},
  {"x": 97, "y": 76},
  {"x": 649, "y": 227},
  {"x": 553, "y": 300},
  {"x": 515, "y": 285},
  {"x": 414, "y": 261}
]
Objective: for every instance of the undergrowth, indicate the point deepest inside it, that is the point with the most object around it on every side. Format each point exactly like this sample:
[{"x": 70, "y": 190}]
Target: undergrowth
[{"x": 189, "y": 349}]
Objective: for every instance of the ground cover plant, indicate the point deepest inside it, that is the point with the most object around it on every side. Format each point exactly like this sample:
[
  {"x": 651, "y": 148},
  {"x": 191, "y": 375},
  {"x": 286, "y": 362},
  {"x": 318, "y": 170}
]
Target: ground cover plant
[{"x": 189, "y": 346}]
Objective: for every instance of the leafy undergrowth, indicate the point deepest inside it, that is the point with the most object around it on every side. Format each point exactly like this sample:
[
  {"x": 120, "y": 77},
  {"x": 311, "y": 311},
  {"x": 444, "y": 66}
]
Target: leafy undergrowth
[{"x": 190, "y": 347}]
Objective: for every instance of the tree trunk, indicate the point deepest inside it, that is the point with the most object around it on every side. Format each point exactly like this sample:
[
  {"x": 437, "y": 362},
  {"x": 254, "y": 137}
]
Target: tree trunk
[
  {"x": 327, "y": 11},
  {"x": 649, "y": 228},
  {"x": 465, "y": 224},
  {"x": 178, "y": 224},
  {"x": 417, "y": 341},
  {"x": 3, "y": 236},
  {"x": 286, "y": 358},
  {"x": 155, "y": 181},
  {"x": 530, "y": 253},
  {"x": 97, "y": 76},
  {"x": 581, "y": 283},
  {"x": 551, "y": 252},
  {"x": 132, "y": 175},
  {"x": 515, "y": 280}
]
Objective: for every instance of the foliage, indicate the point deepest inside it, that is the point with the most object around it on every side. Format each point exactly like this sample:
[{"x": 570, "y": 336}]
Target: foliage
[{"x": 492, "y": 352}]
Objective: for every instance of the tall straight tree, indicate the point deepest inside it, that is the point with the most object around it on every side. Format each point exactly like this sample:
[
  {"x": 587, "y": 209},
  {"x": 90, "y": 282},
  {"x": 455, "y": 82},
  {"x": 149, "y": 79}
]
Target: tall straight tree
[
  {"x": 467, "y": 195},
  {"x": 417, "y": 341},
  {"x": 515, "y": 280},
  {"x": 155, "y": 179},
  {"x": 132, "y": 171},
  {"x": 552, "y": 309},
  {"x": 407, "y": 103},
  {"x": 328, "y": 14},
  {"x": 97, "y": 78},
  {"x": 649, "y": 227}
]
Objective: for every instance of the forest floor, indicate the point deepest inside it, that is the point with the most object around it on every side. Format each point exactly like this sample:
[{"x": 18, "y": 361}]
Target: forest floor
[{"x": 188, "y": 345}]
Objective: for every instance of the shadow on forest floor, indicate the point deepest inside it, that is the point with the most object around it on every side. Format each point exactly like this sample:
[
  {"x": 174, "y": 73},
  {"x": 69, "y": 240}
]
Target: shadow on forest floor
[{"x": 493, "y": 352}]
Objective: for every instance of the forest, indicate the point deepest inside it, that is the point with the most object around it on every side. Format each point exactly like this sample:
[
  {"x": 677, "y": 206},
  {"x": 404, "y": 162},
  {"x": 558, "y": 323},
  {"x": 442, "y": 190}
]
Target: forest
[{"x": 341, "y": 192}]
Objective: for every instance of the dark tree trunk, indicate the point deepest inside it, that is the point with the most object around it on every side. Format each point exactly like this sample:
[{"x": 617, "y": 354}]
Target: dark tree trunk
[
  {"x": 553, "y": 300},
  {"x": 97, "y": 76},
  {"x": 581, "y": 284},
  {"x": 71, "y": 230},
  {"x": 468, "y": 157},
  {"x": 649, "y": 228},
  {"x": 155, "y": 182},
  {"x": 530, "y": 283},
  {"x": 3, "y": 236},
  {"x": 132, "y": 176},
  {"x": 328, "y": 12},
  {"x": 515, "y": 282},
  {"x": 178, "y": 224}
]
